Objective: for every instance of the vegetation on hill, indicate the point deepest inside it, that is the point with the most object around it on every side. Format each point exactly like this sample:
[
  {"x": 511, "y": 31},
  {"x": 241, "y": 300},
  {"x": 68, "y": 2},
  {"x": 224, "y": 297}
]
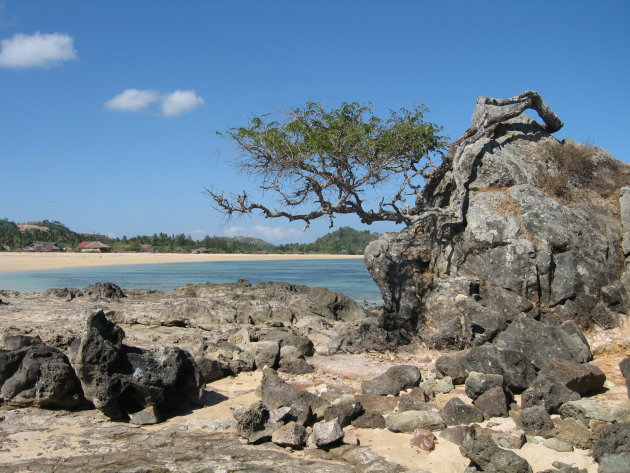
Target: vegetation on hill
[{"x": 345, "y": 240}]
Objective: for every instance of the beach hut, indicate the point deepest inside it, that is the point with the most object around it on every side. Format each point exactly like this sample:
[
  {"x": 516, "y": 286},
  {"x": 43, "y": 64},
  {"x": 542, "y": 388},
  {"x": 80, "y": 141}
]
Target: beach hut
[
  {"x": 94, "y": 246},
  {"x": 43, "y": 247}
]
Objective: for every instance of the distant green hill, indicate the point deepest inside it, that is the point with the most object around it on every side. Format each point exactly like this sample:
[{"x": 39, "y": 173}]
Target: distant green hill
[
  {"x": 16, "y": 236},
  {"x": 345, "y": 240}
]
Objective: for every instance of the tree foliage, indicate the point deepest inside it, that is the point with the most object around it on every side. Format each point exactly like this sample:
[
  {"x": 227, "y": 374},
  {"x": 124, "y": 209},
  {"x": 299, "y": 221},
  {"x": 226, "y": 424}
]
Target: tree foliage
[{"x": 320, "y": 163}]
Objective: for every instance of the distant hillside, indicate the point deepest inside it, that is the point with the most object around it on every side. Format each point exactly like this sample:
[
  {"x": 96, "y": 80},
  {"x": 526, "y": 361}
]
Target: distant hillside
[
  {"x": 16, "y": 236},
  {"x": 345, "y": 240}
]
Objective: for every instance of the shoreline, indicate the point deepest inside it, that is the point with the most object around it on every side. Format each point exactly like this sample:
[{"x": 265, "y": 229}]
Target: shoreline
[{"x": 14, "y": 262}]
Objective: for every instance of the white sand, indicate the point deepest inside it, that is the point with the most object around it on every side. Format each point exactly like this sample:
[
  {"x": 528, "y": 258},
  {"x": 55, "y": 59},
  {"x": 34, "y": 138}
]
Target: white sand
[{"x": 13, "y": 262}]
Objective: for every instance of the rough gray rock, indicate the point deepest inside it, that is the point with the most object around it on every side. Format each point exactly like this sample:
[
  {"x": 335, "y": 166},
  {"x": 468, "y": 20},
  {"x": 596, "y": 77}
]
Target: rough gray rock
[
  {"x": 409, "y": 421},
  {"x": 275, "y": 392},
  {"x": 345, "y": 410},
  {"x": 586, "y": 410},
  {"x": 103, "y": 291},
  {"x": 326, "y": 434},
  {"x": 489, "y": 457},
  {"x": 456, "y": 412},
  {"x": 290, "y": 435},
  {"x": 583, "y": 378},
  {"x": 493, "y": 403},
  {"x": 536, "y": 421},
  {"x": 369, "y": 420},
  {"x": 458, "y": 434},
  {"x": 392, "y": 381},
  {"x": 478, "y": 383},
  {"x": 624, "y": 367},
  {"x": 547, "y": 393},
  {"x": 518, "y": 373},
  {"x": 39, "y": 375},
  {"x": 575, "y": 432},
  {"x": 614, "y": 439},
  {"x": 10, "y": 342},
  {"x": 541, "y": 343},
  {"x": 120, "y": 380},
  {"x": 518, "y": 248}
]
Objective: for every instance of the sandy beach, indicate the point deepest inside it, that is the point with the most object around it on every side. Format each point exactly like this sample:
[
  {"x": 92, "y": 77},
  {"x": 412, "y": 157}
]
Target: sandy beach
[{"x": 14, "y": 262}]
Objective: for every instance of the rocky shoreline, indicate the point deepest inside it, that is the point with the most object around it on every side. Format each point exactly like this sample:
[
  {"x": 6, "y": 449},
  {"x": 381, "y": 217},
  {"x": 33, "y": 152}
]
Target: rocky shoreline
[{"x": 324, "y": 387}]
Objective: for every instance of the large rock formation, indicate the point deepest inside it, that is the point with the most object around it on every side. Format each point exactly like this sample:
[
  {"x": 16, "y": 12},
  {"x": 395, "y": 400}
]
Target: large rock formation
[{"x": 530, "y": 227}]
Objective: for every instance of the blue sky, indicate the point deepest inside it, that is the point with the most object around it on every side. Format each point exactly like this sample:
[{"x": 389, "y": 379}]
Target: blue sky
[{"x": 108, "y": 109}]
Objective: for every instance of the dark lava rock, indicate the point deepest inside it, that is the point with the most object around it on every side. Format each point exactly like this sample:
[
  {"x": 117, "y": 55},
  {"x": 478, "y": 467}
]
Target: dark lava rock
[
  {"x": 458, "y": 434},
  {"x": 613, "y": 440},
  {"x": 295, "y": 366},
  {"x": 541, "y": 343},
  {"x": 624, "y": 367},
  {"x": 456, "y": 412},
  {"x": 276, "y": 392},
  {"x": 536, "y": 421},
  {"x": 251, "y": 423},
  {"x": 120, "y": 380},
  {"x": 344, "y": 410},
  {"x": 10, "y": 342},
  {"x": 583, "y": 378},
  {"x": 303, "y": 345},
  {"x": 106, "y": 290},
  {"x": 517, "y": 371},
  {"x": 478, "y": 383},
  {"x": 39, "y": 376},
  {"x": 486, "y": 455},
  {"x": 493, "y": 403},
  {"x": 392, "y": 381},
  {"x": 369, "y": 420},
  {"x": 547, "y": 393}
]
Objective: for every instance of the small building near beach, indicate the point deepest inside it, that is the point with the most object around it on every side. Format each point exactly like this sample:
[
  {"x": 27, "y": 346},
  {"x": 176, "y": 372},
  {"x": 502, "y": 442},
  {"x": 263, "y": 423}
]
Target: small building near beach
[
  {"x": 43, "y": 247},
  {"x": 94, "y": 246}
]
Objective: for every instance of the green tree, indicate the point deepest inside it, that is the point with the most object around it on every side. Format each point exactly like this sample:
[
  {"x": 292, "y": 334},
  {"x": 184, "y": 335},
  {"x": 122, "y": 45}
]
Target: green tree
[{"x": 320, "y": 163}]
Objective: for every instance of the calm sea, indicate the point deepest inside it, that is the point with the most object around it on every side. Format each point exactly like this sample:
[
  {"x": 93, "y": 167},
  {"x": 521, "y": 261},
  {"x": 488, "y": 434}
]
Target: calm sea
[{"x": 347, "y": 276}]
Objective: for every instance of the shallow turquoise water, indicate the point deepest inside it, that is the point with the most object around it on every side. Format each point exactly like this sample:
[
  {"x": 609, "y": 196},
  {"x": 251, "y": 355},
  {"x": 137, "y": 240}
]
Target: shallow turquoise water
[{"x": 347, "y": 276}]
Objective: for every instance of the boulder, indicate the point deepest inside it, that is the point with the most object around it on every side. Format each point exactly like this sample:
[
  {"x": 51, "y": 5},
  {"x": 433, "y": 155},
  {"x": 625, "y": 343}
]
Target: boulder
[
  {"x": 409, "y": 421},
  {"x": 456, "y": 412},
  {"x": 103, "y": 291},
  {"x": 614, "y": 440},
  {"x": 586, "y": 410},
  {"x": 458, "y": 434},
  {"x": 121, "y": 380},
  {"x": 478, "y": 383},
  {"x": 486, "y": 455},
  {"x": 369, "y": 420},
  {"x": 521, "y": 235},
  {"x": 493, "y": 403},
  {"x": 518, "y": 372},
  {"x": 275, "y": 392},
  {"x": 394, "y": 380},
  {"x": 433, "y": 387},
  {"x": 423, "y": 439},
  {"x": 326, "y": 434},
  {"x": 536, "y": 421},
  {"x": 541, "y": 343},
  {"x": 345, "y": 409},
  {"x": 10, "y": 342},
  {"x": 41, "y": 376},
  {"x": 265, "y": 353},
  {"x": 583, "y": 378},
  {"x": 547, "y": 393},
  {"x": 290, "y": 435},
  {"x": 575, "y": 432}
]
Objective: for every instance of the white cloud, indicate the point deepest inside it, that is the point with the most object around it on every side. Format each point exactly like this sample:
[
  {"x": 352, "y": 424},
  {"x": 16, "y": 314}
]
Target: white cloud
[
  {"x": 181, "y": 101},
  {"x": 271, "y": 234},
  {"x": 37, "y": 50},
  {"x": 132, "y": 100}
]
